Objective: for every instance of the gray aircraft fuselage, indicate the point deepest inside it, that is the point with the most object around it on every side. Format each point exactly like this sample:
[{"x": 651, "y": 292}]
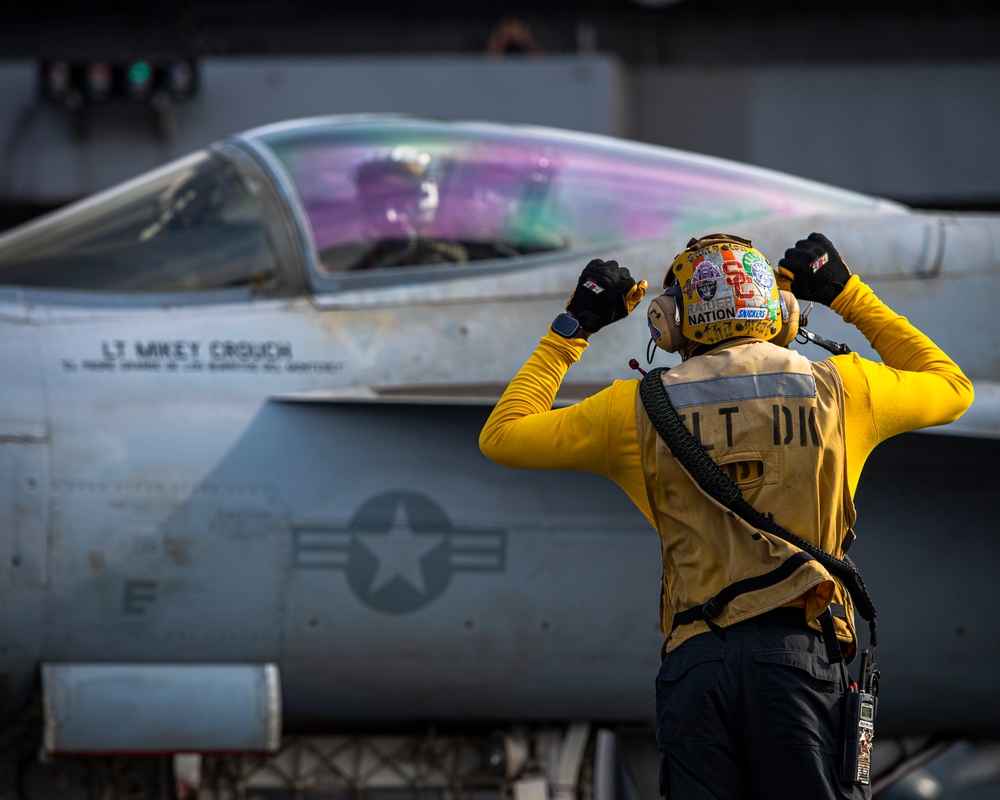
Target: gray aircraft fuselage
[{"x": 291, "y": 476}]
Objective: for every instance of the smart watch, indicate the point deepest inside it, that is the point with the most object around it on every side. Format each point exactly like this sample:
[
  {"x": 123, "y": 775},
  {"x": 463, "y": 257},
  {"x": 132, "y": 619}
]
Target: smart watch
[{"x": 566, "y": 326}]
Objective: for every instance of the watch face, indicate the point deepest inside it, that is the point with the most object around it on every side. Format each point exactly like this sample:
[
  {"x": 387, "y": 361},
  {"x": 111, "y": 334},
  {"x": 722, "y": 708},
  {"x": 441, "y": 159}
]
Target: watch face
[{"x": 565, "y": 325}]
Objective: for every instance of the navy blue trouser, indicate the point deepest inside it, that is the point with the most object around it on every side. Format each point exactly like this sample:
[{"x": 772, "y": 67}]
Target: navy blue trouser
[{"x": 755, "y": 715}]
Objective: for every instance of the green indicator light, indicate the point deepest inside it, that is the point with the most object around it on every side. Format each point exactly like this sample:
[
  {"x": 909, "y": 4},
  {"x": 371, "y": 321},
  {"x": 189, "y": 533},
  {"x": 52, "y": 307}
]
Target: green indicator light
[{"x": 140, "y": 72}]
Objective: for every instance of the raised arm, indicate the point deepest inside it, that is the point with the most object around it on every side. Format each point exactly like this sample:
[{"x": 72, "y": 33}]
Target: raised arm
[
  {"x": 524, "y": 431},
  {"x": 916, "y": 385}
]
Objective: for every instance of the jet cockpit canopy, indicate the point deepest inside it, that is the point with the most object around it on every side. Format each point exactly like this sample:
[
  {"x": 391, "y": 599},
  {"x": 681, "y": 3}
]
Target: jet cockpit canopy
[{"x": 347, "y": 199}]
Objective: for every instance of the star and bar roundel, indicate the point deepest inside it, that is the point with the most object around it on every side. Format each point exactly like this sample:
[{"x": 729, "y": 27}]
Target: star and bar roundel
[{"x": 398, "y": 551}]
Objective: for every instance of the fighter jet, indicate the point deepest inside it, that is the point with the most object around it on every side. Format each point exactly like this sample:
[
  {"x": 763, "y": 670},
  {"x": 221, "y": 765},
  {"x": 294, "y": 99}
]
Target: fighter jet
[{"x": 245, "y": 517}]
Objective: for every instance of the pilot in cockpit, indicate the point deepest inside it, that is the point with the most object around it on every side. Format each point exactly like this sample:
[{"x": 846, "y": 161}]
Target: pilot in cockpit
[{"x": 399, "y": 202}]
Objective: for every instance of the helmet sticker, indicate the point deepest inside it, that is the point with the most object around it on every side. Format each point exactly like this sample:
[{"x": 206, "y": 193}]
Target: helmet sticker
[
  {"x": 705, "y": 278},
  {"x": 706, "y": 289},
  {"x": 707, "y": 269},
  {"x": 715, "y": 302},
  {"x": 737, "y": 277},
  {"x": 761, "y": 271},
  {"x": 728, "y": 290}
]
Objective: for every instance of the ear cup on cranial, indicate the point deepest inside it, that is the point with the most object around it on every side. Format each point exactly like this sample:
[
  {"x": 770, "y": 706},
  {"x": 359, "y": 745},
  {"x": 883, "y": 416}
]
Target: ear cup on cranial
[
  {"x": 790, "y": 314},
  {"x": 664, "y": 316}
]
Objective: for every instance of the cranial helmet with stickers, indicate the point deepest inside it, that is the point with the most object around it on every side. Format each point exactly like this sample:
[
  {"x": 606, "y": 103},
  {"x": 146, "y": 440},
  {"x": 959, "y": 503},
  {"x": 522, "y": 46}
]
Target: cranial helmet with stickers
[{"x": 721, "y": 288}]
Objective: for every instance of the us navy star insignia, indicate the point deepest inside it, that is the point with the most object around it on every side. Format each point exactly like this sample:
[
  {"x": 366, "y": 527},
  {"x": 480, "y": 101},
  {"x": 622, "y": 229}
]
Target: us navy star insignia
[{"x": 399, "y": 550}]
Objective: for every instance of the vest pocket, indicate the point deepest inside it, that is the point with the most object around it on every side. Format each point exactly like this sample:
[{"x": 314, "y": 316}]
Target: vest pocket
[
  {"x": 801, "y": 695},
  {"x": 687, "y": 702}
]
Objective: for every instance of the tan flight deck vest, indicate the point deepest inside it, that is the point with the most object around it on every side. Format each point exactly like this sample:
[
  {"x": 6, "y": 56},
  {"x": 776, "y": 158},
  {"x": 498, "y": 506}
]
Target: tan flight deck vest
[{"x": 774, "y": 421}]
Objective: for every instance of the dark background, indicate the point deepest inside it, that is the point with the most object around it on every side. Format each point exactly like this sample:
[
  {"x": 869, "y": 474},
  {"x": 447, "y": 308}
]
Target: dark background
[
  {"x": 740, "y": 31},
  {"x": 639, "y": 33}
]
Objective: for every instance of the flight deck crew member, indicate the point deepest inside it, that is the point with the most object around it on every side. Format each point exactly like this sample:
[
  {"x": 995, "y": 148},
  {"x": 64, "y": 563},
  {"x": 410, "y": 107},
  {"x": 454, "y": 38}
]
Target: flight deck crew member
[{"x": 749, "y": 705}]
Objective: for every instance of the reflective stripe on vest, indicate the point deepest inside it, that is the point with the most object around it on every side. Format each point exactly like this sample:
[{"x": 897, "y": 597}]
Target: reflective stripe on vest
[{"x": 742, "y": 387}]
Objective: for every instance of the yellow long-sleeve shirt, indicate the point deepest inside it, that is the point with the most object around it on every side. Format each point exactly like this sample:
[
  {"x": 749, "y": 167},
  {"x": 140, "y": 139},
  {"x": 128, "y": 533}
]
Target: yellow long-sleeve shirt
[{"x": 915, "y": 386}]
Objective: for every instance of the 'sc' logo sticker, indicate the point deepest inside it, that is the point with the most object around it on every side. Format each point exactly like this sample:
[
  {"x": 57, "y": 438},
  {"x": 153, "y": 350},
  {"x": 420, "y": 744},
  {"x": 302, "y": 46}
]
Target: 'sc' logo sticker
[{"x": 398, "y": 551}]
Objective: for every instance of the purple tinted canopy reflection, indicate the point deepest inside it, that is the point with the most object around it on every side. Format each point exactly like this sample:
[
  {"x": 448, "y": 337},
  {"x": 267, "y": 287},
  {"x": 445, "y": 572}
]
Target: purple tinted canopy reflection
[{"x": 502, "y": 191}]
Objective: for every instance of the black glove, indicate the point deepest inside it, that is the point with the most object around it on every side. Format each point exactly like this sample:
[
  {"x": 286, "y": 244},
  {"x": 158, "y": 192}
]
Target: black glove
[
  {"x": 601, "y": 295},
  {"x": 815, "y": 269}
]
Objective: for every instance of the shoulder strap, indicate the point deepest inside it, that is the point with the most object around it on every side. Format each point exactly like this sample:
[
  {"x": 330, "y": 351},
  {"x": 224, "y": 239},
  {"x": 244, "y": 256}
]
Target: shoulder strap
[{"x": 718, "y": 484}]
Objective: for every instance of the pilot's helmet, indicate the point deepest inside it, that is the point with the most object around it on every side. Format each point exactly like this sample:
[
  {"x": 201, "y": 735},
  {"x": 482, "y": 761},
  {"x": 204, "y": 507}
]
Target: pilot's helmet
[
  {"x": 721, "y": 288},
  {"x": 397, "y": 192}
]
